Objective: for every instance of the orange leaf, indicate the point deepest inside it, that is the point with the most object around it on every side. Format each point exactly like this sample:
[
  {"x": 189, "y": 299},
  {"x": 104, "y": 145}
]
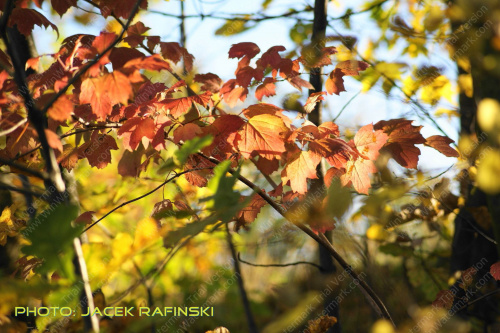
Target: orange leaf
[
  {"x": 368, "y": 142},
  {"x": 358, "y": 174},
  {"x": 152, "y": 63},
  {"x": 402, "y": 140},
  {"x": 261, "y": 135},
  {"x": 352, "y": 67},
  {"x": 174, "y": 52},
  {"x": 134, "y": 129},
  {"x": 495, "y": 270},
  {"x": 335, "y": 82},
  {"x": 248, "y": 214},
  {"x": 441, "y": 144},
  {"x": 301, "y": 167},
  {"x": 186, "y": 132}
]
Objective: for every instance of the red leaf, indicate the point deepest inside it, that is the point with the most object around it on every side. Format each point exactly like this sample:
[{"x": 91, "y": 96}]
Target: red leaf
[
  {"x": 261, "y": 135},
  {"x": 244, "y": 75},
  {"x": 179, "y": 106},
  {"x": 199, "y": 177},
  {"x": 98, "y": 149},
  {"x": 328, "y": 128},
  {"x": 121, "y": 8},
  {"x": 358, "y": 174},
  {"x": 444, "y": 299},
  {"x": 336, "y": 151},
  {"x": 352, "y": 67},
  {"x": 248, "y": 49},
  {"x": 84, "y": 218},
  {"x": 248, "y": 214},
  {"x": 402, "y": 139},
  {"x": 232, "y": 94},
  {"x": 211, "y": 82},
  {"x": 300, "y": 167},
  {"x": 495, "y": 270},
  {"x": 105, "y": 91},
  {"x": 299, "y": 83},
  {"x": 186, "y": 132},
  {"x": 267, "y": 166},
  {"x": 312, "y": 100},
  {"x": 441, "y": 144},
  {"x": 174, "y": 52},
  {"x": 130, "y": 163},
  {"x": 62, "y": 6},
  {"x": 335, "y": 82},
  {"x": 369, "y": 143},
  {"x": 223, "y": 130},
  {"x": 121, "y": 55},
  {"x": 134, "y": 34},
  {"x": 152, "y": 63},
  {"x": 271, "y": 57},
  {"x": 331, "y": 174},
  {"x": 266, "y": 89},
  {"x": 134, "y": 129},
  {"x": 53, "y": 140},
  {"x": 25, "y": 19}
]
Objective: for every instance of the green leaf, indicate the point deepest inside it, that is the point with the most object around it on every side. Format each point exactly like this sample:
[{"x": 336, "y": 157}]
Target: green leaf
[
  {"x": 190, "y": 147},
  {"x": 339, "y": 199},
  {"x": 396, "y": 250},
  {"x": 51, "y": 235},
  {"x": 232, "y": 27}
]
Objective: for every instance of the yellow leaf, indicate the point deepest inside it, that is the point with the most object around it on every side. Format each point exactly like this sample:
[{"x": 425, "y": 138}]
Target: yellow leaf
[
  {"x": 488, "y": 171},
  {"x": 147, "y": 232},
  {"x": 122, "y": 246},
  {"x": 488, "y": 115},
  {"x": 382, "y": 326},
  {"x": 376, "y": 232}
]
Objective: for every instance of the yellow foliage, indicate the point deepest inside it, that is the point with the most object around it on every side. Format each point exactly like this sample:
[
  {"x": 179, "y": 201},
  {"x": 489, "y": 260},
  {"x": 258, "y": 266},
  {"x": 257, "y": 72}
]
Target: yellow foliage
[
  {"x": 382, "y": 326},
  {"x": 376, "y": 232},
  {"x": 7, "y": 227},
  {"x": 465, "y": 84},
  {"x": 488, "y": 171},
  {"x": 439, "y": 88},
  {"x": 147, "y": 232}
]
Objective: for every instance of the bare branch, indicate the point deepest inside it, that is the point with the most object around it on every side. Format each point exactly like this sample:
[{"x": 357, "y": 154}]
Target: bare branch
[{"x": 296, "y": 263}]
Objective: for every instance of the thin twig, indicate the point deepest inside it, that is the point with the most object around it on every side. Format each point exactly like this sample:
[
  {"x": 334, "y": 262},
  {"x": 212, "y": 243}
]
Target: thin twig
[
  {"x": 20, "y": 190},
  {"x": 478, "y": 299},
  {"x": 252, "y": 327},
  {"x": 296, "y": 263},
  {"x": 14, "y": 127},
  {"x": 144, "y": 195}
]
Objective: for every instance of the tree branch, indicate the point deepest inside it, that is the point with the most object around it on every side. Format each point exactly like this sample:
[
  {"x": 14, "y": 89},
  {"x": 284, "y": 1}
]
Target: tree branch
[
  {"x": 252, "y": 327},
  {"x": 320, "y": 238},
  {"x": 144, "y": 195},
  {"x": 281, "y": 265}
]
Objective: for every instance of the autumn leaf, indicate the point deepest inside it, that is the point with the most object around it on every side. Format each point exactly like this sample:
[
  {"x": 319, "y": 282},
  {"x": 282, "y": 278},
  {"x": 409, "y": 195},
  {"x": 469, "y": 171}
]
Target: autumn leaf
[
  {"x": 271, "y": 57},
  {"x": 97, "y": 150},
  {"x": 444, "y": 299},
  {"x": 358, "y": 174},
  {"x": 352, "y": 67},
  {"x": 232, "y": 94},
  {"x": 211, "y": 82},
  {"x": 261, "y": 135},
  {"x": 25, "y": 19},
  {"x": 495, "y": 270},
  {"x": 245, "y": 75},
  {"x": 174, "y": 52},
  {"x": 152, "y": 63},
  {"x": 224, "y": 130},
  {"x": 248, "y": 214},
  {"x": 134, "y": 130},
  {"x": 105, "y": 91},
  {"x": 299, "y": 168},
  {"x": 119, "y": 56},
  {"x": 240, "y": 50},
  {"x": 402, "y": 140},
  {"x": 312, "y": 100},
  {"x": 186, "y": 132},
  {"x": 335, "y": 83},
  {"x": 368, "y": 142},
  {"x": 179, "y": 106},
  {"x": 441, "y": 144},
  {"x": 53, "y": 140},
  {"x": 62, "y": 6},
  {"x": 266, "y": 89},
  {"x": 336, "y": 151}
]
